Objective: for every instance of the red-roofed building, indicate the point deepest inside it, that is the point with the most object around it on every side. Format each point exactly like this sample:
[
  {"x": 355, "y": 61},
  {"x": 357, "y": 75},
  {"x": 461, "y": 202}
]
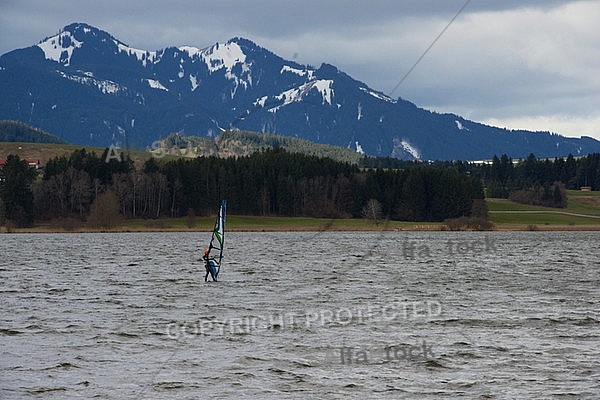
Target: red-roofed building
[{"x": 33, "y": 163}]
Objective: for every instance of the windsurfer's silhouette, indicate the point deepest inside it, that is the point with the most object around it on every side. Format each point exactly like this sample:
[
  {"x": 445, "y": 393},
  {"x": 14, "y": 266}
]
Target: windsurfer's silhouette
[{"x": 207, "y": 266}]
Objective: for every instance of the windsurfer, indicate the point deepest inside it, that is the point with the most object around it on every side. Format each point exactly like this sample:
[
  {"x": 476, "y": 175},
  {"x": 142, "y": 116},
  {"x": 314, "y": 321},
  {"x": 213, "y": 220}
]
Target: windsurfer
[
  {"x": 213, "y": 263},
  {"x": 206, "y": 264}
]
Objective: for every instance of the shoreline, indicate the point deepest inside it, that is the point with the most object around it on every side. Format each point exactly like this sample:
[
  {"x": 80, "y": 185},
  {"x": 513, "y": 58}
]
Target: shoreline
[
  {"x": 339, "y": 228},
  {"x": 501, "y": 220}
]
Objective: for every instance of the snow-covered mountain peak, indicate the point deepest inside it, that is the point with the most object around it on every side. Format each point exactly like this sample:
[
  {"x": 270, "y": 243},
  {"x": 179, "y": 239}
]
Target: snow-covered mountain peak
[
  {"x": 223, "y": 55},
  {"x": 60, "y": 47}
]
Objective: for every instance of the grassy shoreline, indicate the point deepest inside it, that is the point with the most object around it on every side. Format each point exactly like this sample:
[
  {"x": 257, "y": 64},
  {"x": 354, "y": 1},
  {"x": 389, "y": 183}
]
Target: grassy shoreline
[
  {"x": 239, "y": 224},
  {"x": 581, "y": 214},
  {"x": 533, "y": 222}
]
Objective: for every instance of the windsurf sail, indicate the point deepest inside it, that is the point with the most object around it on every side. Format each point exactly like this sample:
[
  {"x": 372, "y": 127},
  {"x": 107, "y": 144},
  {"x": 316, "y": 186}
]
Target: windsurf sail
[{"x": 217, "y": 241}]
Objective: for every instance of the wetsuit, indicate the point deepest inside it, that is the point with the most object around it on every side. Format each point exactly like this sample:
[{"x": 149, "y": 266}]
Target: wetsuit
[{"x": 207, "y": 266}]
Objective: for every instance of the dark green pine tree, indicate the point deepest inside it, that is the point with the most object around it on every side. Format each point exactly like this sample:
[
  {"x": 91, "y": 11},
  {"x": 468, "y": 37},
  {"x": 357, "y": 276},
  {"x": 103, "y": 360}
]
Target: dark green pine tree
[{"x": 15, "y": 191}]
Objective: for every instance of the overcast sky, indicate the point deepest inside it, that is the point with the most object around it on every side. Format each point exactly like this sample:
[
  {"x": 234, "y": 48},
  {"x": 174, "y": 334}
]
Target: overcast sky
[{"x": 528, "y": 64}]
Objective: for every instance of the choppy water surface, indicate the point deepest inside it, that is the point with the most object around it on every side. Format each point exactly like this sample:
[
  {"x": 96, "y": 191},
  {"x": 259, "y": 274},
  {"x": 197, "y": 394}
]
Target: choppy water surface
[{"x": 301, "y": 315}]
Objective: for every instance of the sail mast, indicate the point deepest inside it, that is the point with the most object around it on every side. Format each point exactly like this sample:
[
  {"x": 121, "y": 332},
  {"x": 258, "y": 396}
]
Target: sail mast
[{"x": 218, "y": 237}]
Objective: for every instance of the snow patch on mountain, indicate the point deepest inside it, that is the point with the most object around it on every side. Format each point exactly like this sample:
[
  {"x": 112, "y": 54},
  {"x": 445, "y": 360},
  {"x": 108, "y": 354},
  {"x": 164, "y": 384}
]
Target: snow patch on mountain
[
  {"x": 104, "y": 86},
  {"x": 142, "y": 56},
  {"x": 309, "y": 73},
  {"x": 223, "y": 56},
  {"x": 324, "y": 86},
  {"x": 154, "y": 84},
  {"x": 409, "y": 148},
  {"x": 239, "y": 80},
  {"x": 60, "y": 47},
  {"x": 288, "y": 97},
  {"x": 287, "y": 68},
  {"x": 460, "y": 126},
  {"x": 191, "y": 51},
  {"x": 261, "y": 102},
  {"x": 403, "y": 147},
  {"x": 294, "y": 95},
  {"x": 379, "y": 96},
  {"x": 359, "y": 148},
  {"x": 194, "y": 82}
]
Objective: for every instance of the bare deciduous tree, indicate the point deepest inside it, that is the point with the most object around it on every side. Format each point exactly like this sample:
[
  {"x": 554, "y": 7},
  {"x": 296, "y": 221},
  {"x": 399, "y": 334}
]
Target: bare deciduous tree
[
  {"x": 105, "y": 211},
  {"x": 372, "y": 210}
]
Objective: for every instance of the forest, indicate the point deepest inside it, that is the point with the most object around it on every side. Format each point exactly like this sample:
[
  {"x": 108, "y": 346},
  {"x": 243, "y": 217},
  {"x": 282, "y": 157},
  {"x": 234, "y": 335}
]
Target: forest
[
  {"x": 15, "y": 131},
  {"x": 275, "y": 182},
  {"x": 539, "y": 182},
  {"x": 270, "y": 182}
]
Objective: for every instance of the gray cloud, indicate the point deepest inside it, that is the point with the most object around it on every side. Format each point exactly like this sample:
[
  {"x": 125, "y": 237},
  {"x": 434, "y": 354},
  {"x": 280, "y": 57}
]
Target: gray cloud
[{"x": 531, "y": 62}]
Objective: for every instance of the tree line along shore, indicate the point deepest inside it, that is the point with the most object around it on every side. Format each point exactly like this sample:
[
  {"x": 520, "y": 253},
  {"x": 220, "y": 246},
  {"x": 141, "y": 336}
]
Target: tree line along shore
[{"x": 85, "y": 190}]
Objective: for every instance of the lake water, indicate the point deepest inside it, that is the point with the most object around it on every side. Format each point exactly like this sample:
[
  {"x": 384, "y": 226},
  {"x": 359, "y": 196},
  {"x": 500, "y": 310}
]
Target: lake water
[{"x": 332, "y": 315}]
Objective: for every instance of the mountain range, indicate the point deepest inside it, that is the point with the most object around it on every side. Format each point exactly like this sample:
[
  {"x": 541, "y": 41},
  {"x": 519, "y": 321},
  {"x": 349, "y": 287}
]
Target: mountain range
[{"x": 89, "y": 88}]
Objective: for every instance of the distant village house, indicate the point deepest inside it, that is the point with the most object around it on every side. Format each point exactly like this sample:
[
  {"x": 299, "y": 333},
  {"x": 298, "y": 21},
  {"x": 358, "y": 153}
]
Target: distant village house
[{"x": 33, "y": 163}]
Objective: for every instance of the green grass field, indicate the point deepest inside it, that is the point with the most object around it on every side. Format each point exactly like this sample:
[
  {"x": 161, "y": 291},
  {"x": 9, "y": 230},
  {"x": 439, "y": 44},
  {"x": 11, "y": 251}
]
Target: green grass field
[
  {"x": 243, "y": 223},
  {"x": 583, "y": 209},
  {"x": 45, "y": 152},
  {"x": 259, "y": 223},
  {"x": 41, "y": 151}
]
